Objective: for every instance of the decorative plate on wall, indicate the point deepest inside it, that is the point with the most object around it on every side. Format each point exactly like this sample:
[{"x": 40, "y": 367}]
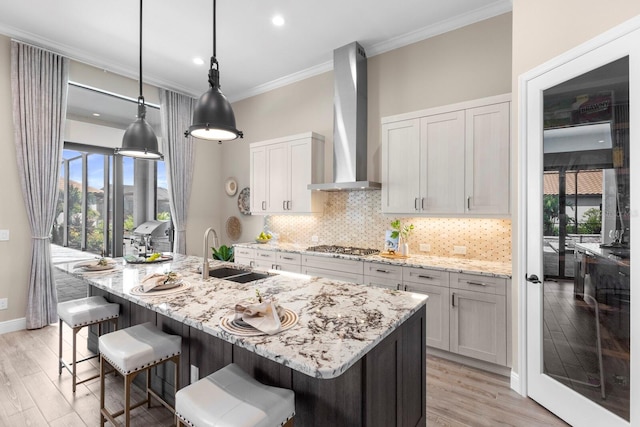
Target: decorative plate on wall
[
  {"x": 231, "y": 186},
  {"x": 244, "y": 201},
  {"x": 233, "y": 228}
]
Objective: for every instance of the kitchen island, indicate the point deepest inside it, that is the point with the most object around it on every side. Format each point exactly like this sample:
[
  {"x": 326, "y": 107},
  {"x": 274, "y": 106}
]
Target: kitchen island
[{"x": 355, "y": 357}]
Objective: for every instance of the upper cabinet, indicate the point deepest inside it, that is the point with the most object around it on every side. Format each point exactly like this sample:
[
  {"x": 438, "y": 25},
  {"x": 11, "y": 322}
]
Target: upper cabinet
[
  {"x": 451, "y": 160},
  {"x": 280, "y": 171}
]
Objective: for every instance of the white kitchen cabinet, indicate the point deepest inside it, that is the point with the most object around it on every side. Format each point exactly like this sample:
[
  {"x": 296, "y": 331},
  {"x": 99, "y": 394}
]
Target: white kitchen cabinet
[
  {"x": 487, "y": 159},
  {"x": 349, "y": 270},
  {"x": 280, "y": 171},
  {"x": 451, "y": 160},
  {"x": 287, "y": 261},
  {"x": 244, "y": 256},
  {"x": 383, "y": 275},
  {"x": 400, "y": 166},
  {"x": 478, "y": 317},
  {"x": 434, "y": 284}
]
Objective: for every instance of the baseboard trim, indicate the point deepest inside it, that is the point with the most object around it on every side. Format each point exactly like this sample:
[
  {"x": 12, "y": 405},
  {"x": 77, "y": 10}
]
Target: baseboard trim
[
  {"x": 13, "y": 325},
  {"x": 475, "y": 363},
  {"x": 515, "y": 382}
]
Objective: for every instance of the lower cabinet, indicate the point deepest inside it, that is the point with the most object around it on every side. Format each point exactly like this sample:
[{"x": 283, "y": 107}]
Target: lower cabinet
[{"x": 478, "y": 317}]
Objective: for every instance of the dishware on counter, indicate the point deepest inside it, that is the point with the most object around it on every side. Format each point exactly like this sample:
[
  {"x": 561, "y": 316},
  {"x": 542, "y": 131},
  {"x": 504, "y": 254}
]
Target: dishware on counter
[
  {"x": 98, "y": 264},
  {"x": 153, "y": 259}
]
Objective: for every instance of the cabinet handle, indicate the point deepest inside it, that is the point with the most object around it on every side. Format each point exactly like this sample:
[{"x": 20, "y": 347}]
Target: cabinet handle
[
  {"x": 288, "y": 258},
  {"x": 264, "y": 206},
  {"x": 415, "y": 204},
  {"x": 405, "y": 287},
  {"x": 476, "y": 283},
  {"x": 379, "y": 270},
  {"x": 422, "y": 203},
  {"x": 425, "y": 277},
  {"x": 398, "y": 287},
  {"x": 252, "y": 263},
  {"x": 288, "y": 204},
  {"x": 469, "y": 203},
  {"x": 284, "y": 205},
  {"x": 453, "y": 299},
  {"x": 265, "y": 255}
]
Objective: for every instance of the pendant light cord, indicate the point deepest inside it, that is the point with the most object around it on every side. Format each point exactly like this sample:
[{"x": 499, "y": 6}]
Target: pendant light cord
[
  {"x": 141, "y": 107},
  {"x": 214, "y": 28}
]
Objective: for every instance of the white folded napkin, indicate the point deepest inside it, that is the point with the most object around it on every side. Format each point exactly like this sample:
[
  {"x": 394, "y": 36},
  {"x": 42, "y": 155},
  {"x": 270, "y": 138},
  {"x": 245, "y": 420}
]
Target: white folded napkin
[
  {"x": 264, "y": 316},
  {"x": 157, "y": 280}
]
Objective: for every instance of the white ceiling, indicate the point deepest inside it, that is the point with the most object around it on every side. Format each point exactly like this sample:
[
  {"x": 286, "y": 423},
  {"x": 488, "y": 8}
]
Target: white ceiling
[{"x": 254, "y": 55}]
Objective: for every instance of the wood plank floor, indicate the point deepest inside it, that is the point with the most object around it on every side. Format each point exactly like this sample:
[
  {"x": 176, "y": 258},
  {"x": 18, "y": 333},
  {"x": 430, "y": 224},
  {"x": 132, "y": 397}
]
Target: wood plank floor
[{"x": 32, "y": 393}]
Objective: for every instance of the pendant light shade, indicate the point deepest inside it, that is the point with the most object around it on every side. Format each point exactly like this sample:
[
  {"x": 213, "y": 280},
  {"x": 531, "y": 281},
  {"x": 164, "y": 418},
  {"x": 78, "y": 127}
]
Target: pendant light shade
[
  {"x": 213, "y": 117},
  {"x": 139, "y": 139}
]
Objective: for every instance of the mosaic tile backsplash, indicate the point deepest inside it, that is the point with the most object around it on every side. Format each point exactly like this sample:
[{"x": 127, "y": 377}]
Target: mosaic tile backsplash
[{"x": 354, "y": 218}]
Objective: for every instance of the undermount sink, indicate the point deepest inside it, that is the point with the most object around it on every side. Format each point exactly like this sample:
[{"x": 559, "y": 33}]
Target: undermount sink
[
  {"x": 223, "y": 272},
  {"x": 247, "y": 277},
  {"x": 236, "y": 274}
]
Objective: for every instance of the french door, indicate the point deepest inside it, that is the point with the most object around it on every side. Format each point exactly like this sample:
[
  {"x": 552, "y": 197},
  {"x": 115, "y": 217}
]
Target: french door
[{"x": 582, "y": 175}]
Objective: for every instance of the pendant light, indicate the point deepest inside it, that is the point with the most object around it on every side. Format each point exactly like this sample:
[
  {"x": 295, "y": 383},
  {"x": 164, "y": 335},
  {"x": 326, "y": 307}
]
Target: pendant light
[
  {"x": 213, "y": 117},
  {"x": 139, "y": 140}
]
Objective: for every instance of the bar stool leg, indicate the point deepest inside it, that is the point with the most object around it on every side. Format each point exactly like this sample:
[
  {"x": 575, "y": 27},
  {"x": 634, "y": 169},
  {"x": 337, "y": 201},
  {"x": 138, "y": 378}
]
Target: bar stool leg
[
  {"x": 148, "y": 388},
  {"x": 73, "y": 361},
  {"x": 102, "y": 417},
  {"x": 60, "y": 348},
  {"x": 127, "y": 399}
]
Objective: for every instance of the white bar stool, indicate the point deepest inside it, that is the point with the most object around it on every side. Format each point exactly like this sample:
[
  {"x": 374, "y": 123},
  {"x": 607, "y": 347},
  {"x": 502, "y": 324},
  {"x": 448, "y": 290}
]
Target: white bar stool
[
  {"x": 131, "y": 351},
  {"x": 80, "y": 313},
  {"x": 231, "y": 398}
]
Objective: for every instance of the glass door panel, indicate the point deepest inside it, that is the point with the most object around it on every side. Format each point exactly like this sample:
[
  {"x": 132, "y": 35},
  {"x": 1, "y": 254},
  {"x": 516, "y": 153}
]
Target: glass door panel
[{"x": 586, "y": 235}]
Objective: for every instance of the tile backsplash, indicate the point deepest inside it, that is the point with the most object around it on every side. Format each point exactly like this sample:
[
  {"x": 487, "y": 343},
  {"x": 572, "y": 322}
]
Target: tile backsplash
[{"x": 354, "y": 218}]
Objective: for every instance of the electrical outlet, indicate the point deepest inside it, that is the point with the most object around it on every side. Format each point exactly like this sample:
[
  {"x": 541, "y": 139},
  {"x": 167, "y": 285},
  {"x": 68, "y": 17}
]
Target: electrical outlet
[
  {"x": 425, "y": 247},
  {"x": 4, "y": 303},
  {"x": 4, "y": 235},
  {"x": 460, "y": 250},
  {"x": 314, "y": 239},
  {"x": 194, "y": 375}
]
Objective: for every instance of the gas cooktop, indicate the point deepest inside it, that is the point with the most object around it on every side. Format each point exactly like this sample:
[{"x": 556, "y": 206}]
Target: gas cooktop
[{"x": 346, "y": 250}]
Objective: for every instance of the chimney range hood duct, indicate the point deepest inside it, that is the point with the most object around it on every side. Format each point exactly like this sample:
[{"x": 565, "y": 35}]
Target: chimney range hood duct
[{"x": 349, "y": 122}]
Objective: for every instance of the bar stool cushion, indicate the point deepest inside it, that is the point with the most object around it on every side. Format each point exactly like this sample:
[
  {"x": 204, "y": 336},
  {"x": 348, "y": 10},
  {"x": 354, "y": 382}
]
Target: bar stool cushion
[
  {"x": 231, "y": 398},
  {"x": 86, "y": 311},
  {"x": 138, "y": 346}
]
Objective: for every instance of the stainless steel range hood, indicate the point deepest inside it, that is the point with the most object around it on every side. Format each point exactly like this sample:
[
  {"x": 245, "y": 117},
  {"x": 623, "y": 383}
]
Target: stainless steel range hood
[{"x": 349, "y": 122}]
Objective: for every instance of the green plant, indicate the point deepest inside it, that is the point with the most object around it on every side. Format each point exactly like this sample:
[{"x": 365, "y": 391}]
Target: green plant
[
  {"x": 163, "y": 216},
  {"x": 591, "y": 222},
  {"x": 223, "y": 253},
  {"x": 401, "y": 231}
]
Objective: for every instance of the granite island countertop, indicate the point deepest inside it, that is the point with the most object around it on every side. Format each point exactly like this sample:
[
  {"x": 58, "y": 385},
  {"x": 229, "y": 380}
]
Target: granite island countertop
[
  {"x": 338, "y": 322},
  {"x": 456, "y": 265}
]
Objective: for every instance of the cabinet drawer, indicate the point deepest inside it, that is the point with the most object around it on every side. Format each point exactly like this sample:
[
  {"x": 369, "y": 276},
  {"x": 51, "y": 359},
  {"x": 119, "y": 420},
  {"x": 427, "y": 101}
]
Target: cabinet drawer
[
  {"x": 243, "y": 260},
  {"x": 335, "y": 264},
  {"x": 288, "y": 258},
  {"x": 244, "y": 253},
  {"x": 262, "y": 255},
  {"x": 476, "y": 283},
  {"x": 260, "y": 264},
  {"x": 425, "y": 276},
  {"x": 382, "y": 282},
  {"x": 283, "y": 266},
  {"x": 383, "y": 271},
  {"x": 332, "y": 274}
]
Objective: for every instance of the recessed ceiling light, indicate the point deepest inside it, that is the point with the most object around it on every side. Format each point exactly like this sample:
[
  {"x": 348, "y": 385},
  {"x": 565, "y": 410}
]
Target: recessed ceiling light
[
  {"x": 96, "y": 114},
  {"x": 278, "y": 20},
  {"x": 198, "y": 61}
]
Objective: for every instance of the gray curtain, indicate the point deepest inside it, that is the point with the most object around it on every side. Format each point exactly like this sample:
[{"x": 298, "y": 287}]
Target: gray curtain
[
  {"x": 39, "y": 89},
  {"x": 177, "y": 111}
]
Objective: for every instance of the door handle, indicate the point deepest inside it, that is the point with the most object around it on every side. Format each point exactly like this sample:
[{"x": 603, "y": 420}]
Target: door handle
[{"x": 532, "y": 278}]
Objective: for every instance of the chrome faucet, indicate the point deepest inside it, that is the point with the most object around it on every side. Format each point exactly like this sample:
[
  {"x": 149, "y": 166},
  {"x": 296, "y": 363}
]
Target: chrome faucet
[{"x": 205, "y": 256}]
